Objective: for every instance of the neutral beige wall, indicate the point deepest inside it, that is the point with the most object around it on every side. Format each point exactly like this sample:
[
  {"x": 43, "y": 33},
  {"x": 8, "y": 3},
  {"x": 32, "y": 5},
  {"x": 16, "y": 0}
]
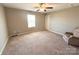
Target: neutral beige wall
[
  {"x": 3, "y": 29},
  {"x": 17, "y": 21},
  {"x": 63, "y": 21}
]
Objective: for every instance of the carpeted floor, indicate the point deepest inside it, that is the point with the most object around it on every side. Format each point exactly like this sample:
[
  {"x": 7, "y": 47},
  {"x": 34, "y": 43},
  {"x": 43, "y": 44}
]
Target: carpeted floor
[{"x": 39, "y": 43}]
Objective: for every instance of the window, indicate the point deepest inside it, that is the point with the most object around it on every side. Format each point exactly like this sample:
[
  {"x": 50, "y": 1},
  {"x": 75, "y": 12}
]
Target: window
[{"x": 31, "y": 20}]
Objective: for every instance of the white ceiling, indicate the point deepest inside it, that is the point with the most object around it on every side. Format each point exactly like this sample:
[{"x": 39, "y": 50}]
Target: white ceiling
[{"x": 30, "y": 6}]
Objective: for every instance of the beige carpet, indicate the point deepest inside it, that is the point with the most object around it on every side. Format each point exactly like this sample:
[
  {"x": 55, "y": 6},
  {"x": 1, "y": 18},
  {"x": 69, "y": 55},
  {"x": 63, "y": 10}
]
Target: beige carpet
[{"x": 39, "y": 43}]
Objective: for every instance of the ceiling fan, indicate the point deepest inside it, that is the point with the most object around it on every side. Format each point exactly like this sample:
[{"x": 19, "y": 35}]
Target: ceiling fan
[{"x": 43, "y": 7}]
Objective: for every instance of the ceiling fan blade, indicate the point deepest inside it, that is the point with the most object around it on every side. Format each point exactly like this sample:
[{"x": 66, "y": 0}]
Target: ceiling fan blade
[
  {"x": 49, "y": 7},
  {"x": 38, "y": 10},
  {"x": 36, "y": 7}
]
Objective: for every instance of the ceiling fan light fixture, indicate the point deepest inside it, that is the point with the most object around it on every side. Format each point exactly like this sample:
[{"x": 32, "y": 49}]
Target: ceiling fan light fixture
[{"x": 43, "y": 7}]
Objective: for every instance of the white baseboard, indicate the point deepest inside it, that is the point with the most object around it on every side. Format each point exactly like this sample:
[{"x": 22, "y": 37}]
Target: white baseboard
[
  {"x": 57, "y": 32},
  {"x": 17, "y": 34},
  {"x": 22, "y": 33},
  {"x": 4, "y": 46},
  {"x": 63, "y": 36}
]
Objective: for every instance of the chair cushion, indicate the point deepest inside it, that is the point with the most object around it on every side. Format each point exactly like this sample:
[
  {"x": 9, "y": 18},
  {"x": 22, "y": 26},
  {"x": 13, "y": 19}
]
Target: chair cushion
[{"x": 73, "y": 41}]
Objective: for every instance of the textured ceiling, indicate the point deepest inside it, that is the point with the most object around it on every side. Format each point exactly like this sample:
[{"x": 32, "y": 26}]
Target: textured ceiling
[{"x": 30, "y": 6}]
